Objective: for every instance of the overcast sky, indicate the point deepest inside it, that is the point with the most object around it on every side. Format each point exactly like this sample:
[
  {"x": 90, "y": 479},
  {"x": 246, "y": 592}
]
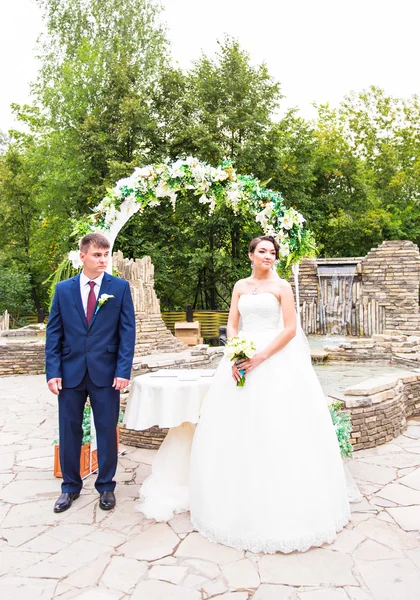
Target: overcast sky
[{"x": 319, "y": 50}]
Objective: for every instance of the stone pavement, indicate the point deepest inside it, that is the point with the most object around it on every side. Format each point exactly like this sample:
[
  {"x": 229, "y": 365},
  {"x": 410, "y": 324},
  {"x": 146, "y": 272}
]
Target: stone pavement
[{"x": 90, "y": 554}]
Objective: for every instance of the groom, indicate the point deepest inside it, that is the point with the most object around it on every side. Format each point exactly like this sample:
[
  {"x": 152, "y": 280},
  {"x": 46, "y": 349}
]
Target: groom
[{"x": 89, "y": 352}]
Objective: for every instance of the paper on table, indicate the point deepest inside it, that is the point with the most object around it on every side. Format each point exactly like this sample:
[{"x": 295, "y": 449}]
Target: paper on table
[
  {"x": 189, "y": 376},
  {"x": 165, "y": 373}
]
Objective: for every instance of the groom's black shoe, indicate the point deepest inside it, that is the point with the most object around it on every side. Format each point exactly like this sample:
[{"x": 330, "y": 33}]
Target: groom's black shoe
[
  {"x": 107, "y": 500},
  {"x": 65, "y": 501}
]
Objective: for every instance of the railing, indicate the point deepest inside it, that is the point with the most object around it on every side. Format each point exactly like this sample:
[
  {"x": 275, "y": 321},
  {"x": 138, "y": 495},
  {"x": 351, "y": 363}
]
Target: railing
[{"x": 209, "y": 320}]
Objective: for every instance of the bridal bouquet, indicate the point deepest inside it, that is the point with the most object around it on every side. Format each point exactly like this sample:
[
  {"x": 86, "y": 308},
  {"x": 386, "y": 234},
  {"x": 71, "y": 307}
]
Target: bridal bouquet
[{"x": 239, "y": 348}]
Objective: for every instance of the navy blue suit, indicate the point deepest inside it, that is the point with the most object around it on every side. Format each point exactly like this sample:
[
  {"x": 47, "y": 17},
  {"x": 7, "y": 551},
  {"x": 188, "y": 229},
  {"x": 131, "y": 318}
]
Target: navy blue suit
[{"x": 87, "y": 358}]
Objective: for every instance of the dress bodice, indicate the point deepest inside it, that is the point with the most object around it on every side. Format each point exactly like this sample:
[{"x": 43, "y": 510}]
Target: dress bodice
[{"x": 260, "y": 312}]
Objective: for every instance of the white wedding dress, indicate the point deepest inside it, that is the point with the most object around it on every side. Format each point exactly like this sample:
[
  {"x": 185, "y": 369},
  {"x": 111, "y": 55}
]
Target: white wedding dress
[{"x": 266, "y": 473}]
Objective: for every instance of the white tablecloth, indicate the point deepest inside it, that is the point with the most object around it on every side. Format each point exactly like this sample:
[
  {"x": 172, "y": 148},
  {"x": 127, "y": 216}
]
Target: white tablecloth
[
  {"x": 169, "y": 399},
  {"x": 166, "y": 398}
]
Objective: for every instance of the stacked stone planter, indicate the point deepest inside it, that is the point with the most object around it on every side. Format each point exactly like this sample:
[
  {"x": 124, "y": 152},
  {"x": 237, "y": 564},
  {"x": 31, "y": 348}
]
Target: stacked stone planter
[
  {"x": 392, "y": 347},
  {"x": 379, "y": 407},
  {"x": 22, "y": 358}
]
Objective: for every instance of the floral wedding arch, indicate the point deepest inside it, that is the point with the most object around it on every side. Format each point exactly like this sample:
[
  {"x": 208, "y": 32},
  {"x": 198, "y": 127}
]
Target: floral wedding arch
[{"x": 148, "y": 185}]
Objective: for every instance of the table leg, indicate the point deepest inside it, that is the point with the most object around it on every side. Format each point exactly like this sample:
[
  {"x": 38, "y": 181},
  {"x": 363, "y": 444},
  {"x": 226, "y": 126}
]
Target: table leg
[{"x": 165, "y": 492}]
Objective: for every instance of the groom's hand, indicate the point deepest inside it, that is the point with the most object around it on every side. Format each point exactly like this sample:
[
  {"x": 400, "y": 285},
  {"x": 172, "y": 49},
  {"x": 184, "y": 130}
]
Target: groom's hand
[
  {"x": 54, "y": 385},
  {"x": 120, "y": 383}
]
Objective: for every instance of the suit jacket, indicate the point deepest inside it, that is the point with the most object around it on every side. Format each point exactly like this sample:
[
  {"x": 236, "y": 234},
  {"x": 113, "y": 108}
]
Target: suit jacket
[{"x": 105, "y": 348}]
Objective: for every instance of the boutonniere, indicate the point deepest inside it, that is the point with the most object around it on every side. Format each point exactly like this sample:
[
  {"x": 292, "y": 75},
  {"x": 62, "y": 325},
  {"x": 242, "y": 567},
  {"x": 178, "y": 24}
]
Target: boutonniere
[{"x": 102, "y": 299}]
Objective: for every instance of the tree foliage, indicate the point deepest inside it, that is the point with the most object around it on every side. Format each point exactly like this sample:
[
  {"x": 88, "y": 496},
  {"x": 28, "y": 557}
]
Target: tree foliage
[{"x": 107, "y": 99}]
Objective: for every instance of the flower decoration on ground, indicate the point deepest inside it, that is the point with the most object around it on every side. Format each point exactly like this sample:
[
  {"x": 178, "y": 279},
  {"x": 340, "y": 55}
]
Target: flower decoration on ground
[
  {"x": 240, "y": 348},
  {"x": 102, "y": 299},
  {"x": 213, "y": 186},
  {"x": 342, "y": 424}
]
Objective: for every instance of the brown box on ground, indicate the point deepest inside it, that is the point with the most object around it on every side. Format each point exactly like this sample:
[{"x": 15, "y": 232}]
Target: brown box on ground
[{"x": 189, "y": 333}]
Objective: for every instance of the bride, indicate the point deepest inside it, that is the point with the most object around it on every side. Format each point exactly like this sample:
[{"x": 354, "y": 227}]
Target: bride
[{"x": 266, "y": 473}]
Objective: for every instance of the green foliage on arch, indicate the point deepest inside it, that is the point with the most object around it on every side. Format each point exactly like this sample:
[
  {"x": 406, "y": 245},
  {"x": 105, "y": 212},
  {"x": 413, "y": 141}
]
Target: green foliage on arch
[{"x": 215, "y": 187}]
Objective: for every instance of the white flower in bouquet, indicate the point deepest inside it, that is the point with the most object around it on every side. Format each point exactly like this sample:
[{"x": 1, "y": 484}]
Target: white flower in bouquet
[
  {"x": 240, "y": 348},
  {"x": 249, "y": 349}
]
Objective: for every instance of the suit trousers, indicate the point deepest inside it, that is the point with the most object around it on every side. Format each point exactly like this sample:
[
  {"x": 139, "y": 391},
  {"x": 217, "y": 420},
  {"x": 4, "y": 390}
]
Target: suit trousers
[{"x": 105, "y": 403}]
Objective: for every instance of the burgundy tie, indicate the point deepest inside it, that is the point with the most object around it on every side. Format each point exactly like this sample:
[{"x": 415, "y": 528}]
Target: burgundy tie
[{"x": 91, "y": 303}]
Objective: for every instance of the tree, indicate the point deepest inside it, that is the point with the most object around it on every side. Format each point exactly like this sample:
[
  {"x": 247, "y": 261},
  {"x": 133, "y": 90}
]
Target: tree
[
  {"x": 22, "y": 246},
  {"x": 367, "y": 184},
  {"x": 89, "y": 122},
  {"x": 222, "y": 109},
  {"x": 15, "y": 291},
  {"x": 229, "y": 107}
]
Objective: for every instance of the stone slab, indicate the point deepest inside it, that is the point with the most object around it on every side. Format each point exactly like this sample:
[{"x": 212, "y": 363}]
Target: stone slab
[
  {"x": 241, "y": 574},
  {"x": 196, "y": 546},
  {"x": 390, "y": 579},
  {"x": 323, "y": 594},
  {"x": 268, "y": 591},
  {"x": 411, "y": 480},
  {"x": 400, "y": 494},
  {"x": 172, "y": 574},
  {"x": 157, "y": 541},
  {"x": 20, "y": 588},
  {"x": 161, "y": 590},
  {"x": 388, "y": 534},
  {"x": 363, "y": 471},
  {"x": 371, "y": 550},
  {"x": 407, "y": 517},
  {"x": 315, "y": 567},
  {"x": 123, "y": 573}
]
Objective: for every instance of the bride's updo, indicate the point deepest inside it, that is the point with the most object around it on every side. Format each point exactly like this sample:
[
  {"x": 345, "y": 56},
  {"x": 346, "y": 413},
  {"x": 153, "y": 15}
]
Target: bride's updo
[{"x": 264, "y": 238}]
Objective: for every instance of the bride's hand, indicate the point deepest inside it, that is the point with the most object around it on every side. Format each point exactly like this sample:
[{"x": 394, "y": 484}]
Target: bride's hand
[
  {"x": 235, "y": 372},
  {"x": 250, "y": 363}
]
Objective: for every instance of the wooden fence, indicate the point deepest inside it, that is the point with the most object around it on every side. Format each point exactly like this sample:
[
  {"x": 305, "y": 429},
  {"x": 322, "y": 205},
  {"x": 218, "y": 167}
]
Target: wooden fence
[{"x": 210, "y": 320}]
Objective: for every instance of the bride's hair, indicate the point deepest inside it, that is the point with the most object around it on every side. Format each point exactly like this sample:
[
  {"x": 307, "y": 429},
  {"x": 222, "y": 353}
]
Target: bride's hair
[{"x": 264, "y": 238}]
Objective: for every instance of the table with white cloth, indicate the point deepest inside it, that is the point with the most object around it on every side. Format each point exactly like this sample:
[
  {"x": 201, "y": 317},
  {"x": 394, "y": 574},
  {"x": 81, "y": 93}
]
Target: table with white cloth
[{"x": 168, "y": 398}]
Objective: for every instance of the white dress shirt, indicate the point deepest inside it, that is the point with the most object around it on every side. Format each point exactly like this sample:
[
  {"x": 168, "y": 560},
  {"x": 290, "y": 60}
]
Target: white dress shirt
[{"x": 85, "y": 288}]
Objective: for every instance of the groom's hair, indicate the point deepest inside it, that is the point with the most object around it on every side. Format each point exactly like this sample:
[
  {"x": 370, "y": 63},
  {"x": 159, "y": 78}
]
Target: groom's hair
[{"x": 93, "y": 239}]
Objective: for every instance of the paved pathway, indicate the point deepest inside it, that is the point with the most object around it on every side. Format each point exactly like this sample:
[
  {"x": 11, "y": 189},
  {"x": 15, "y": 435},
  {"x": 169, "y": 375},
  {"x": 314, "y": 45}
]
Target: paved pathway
[{"x": 90, "y": 554}]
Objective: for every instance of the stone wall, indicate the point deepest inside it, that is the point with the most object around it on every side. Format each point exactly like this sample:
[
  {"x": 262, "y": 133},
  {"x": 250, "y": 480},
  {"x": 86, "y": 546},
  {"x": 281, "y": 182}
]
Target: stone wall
[
  {"x": 384, "y": 294},
  {"x": 152, "y": 335},
  {"x": 22, "y": 358},
  {"x": 308, "y": 281},
  {"x": 390, "y": 275}
]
